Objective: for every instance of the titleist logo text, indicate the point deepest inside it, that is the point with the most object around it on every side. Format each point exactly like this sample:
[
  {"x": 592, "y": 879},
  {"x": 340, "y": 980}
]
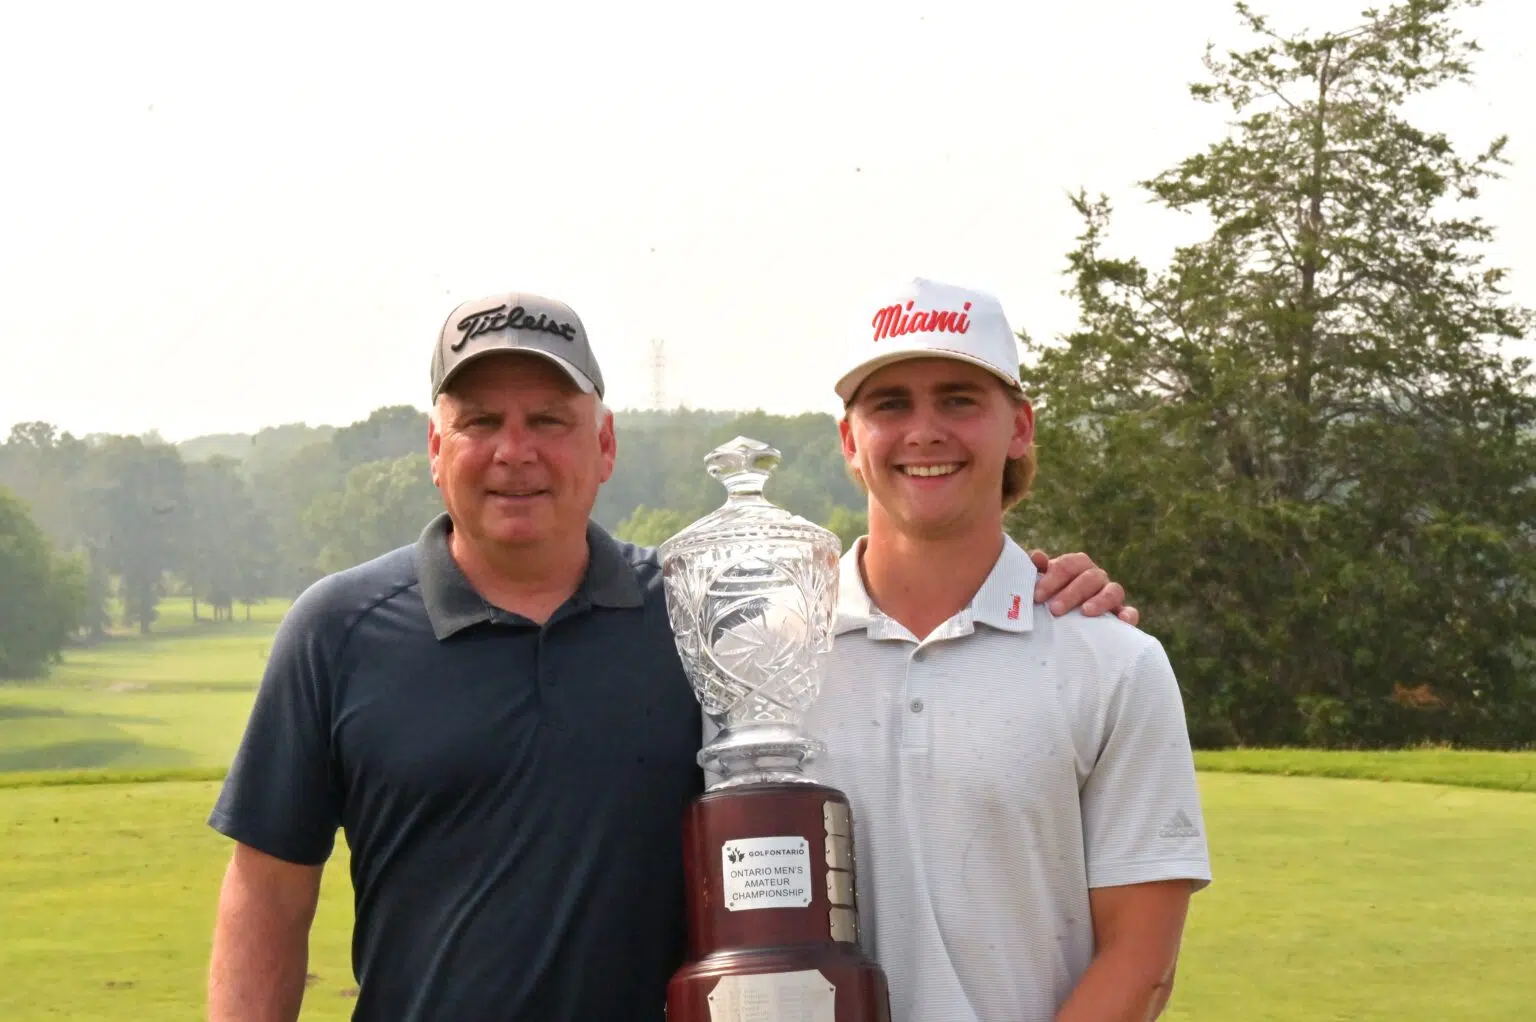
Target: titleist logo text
[
  {"x": 501, "y": 318},
  {"x": 895, "y": 320}
]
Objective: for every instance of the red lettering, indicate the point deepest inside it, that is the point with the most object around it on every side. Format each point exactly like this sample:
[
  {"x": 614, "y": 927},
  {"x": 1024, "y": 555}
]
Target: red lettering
[
  {"x": 885, "y": 321},
  {"x": 892, "y": 322}
]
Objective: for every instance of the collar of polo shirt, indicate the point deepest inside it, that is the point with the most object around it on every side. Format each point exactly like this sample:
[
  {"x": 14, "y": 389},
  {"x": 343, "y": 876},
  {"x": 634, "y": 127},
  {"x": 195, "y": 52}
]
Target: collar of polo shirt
[
  {"x": 454, "y": 605},
  {"x": 1005, "y": 600}
]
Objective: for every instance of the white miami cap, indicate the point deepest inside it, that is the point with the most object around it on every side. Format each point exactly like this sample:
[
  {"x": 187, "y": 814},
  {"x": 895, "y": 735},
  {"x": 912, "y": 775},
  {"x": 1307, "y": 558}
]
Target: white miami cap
[{"x": 928, "y": 319}]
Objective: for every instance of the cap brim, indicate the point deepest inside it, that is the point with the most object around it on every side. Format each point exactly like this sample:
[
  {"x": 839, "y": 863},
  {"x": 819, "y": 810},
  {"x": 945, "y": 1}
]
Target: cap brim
[
  {"x": 851, "y": 381},
  {"x": 583, "y": 382}
]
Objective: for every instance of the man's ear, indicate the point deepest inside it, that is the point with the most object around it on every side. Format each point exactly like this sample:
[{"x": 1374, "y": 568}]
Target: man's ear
[
  {"x": 434, "y": 443},
  {"x": 608, "y": 446},
  {"x": 845, "y": 432},
  {"x": 1023, "y": 429}
]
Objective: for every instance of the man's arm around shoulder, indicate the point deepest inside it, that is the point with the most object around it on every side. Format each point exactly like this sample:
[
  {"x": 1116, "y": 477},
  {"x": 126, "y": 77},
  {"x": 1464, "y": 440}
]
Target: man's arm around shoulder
[{"x": 261, "y": 938}]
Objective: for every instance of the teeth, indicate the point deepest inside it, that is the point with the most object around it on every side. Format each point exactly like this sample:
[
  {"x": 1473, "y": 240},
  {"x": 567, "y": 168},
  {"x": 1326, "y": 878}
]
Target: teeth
[{"x": 930, "y": 470}]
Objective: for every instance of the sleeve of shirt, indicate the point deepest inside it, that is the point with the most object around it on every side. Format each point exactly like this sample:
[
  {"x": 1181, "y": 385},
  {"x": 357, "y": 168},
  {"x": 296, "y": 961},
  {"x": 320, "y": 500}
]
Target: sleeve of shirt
[
  {"x": 279, "y": 796},
  {"x": 1142, "y": 819}
]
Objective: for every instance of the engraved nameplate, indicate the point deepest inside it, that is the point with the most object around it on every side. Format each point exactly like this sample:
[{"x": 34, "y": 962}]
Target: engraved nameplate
[
  {"x": 766, "y": 872},
  {"x": 837, "y": 819},
  {"x": 803, "y": 996},
  {"x": 839, "y": 887},
  {"x": 840, "y": 852}
]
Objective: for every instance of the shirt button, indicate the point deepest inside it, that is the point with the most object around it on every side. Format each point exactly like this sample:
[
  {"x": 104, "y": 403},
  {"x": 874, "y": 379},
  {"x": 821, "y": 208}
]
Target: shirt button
[{"x": 917, "y": 706}]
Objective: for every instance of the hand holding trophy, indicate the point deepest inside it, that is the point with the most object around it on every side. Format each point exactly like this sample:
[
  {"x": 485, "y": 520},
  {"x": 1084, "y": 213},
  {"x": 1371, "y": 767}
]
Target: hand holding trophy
[{"x": 751, "y": 592}]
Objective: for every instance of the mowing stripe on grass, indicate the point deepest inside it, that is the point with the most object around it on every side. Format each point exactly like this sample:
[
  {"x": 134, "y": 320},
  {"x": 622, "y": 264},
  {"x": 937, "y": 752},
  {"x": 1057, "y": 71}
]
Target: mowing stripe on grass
[
  {"x": 1460, "y": 768},
  {"x": 1457, "y": 768},
  {"x": 67, "y": 778}
]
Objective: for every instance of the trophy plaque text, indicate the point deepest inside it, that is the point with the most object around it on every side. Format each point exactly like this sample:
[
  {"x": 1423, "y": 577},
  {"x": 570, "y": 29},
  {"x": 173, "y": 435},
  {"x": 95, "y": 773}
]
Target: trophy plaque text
[{"x": 751, "y": 592}]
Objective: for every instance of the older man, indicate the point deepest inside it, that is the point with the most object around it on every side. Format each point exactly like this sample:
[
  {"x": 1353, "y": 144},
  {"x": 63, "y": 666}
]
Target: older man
[{"x": 496, "y": 718}]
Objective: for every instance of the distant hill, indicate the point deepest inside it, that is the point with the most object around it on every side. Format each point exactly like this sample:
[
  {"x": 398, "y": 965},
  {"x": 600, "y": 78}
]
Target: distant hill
[
  {"x": 266, "y": 448},
  {"x": 277, "y": 443},
  {"x": 229, "y": 445}
]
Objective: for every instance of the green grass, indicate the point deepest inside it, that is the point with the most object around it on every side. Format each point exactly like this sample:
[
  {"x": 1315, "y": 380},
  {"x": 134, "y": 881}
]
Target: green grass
[
  {"x": 1333, "y": 900},
  {"x": 107, "y": 894},
  {"x": 1339, "y": 899},
  {"x": 177, "y": 698},
  {"x": 1504, "y": 771}
]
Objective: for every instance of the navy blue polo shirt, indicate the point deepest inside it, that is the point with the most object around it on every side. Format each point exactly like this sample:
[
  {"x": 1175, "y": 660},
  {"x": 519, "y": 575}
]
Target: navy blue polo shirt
[{"x": 512, "y": 794}]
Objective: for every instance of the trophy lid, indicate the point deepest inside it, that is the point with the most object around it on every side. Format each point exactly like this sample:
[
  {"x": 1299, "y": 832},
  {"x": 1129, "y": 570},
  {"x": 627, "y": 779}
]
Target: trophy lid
[{"x": 743, "y": 465}]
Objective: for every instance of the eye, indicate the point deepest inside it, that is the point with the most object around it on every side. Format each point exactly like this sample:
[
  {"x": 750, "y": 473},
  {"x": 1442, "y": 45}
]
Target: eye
[{"x": 886, "y": 404}]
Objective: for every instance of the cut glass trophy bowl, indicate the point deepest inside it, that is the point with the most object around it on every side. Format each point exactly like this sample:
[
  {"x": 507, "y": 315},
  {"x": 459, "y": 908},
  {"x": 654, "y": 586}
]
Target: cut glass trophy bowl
[{"x": 751, "y": 591}]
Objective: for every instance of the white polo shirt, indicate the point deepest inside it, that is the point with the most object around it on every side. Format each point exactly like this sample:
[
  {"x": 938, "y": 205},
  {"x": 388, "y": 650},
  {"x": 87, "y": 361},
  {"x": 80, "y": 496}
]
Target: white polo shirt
[{"x": 997, "y": 770}]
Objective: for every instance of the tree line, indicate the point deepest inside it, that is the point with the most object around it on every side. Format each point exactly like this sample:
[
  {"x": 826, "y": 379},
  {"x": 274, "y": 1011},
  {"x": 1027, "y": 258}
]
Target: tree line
[
  {"x": 1300, "y": 441},
  {"x": 124, "y": 521}
]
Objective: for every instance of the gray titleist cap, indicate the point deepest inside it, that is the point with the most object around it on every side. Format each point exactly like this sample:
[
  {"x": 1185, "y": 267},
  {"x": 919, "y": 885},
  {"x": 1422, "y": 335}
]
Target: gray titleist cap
[{"x": 515, "y": 323}]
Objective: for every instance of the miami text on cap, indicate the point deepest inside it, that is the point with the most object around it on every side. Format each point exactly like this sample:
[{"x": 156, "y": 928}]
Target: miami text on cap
[
  {"x": 927, "y": 319},
  {"x": 515, "y": 323}
]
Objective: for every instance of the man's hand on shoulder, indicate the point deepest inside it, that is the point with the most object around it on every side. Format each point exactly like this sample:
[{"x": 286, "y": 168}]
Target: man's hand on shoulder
[{"x": 1073, "y": 581}]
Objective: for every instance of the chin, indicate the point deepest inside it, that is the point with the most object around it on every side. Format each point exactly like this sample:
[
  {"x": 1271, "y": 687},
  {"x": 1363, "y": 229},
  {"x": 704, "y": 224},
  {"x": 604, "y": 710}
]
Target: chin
[
  {"x": 517, "y": 532},
  {"x": 931, "y": 522}
]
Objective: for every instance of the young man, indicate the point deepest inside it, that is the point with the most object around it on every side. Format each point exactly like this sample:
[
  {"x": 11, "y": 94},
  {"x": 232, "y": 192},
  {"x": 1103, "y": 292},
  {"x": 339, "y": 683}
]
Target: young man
[
  {"x": 496, "y": 718},
  {"x": 1028, "y": 828}
]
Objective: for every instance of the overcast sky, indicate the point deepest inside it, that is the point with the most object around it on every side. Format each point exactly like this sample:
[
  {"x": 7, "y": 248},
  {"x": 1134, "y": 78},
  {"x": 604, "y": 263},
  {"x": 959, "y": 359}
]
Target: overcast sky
[{"x": 217, "y": 217}]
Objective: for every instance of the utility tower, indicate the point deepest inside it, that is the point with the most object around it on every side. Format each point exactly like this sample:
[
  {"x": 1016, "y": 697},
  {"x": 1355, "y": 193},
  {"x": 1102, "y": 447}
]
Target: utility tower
[{"x": 658, "y": 374}]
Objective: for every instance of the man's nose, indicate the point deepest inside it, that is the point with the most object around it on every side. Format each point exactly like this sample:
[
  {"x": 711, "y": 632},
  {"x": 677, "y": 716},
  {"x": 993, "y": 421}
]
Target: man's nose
[
  {"x": 514, "y": 444},
  {"x": 925, "y": 426}
]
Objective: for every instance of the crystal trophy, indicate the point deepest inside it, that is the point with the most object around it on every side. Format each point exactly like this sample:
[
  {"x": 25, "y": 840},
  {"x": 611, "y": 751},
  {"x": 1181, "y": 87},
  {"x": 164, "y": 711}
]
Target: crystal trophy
[{"x": 751, "y": 593}]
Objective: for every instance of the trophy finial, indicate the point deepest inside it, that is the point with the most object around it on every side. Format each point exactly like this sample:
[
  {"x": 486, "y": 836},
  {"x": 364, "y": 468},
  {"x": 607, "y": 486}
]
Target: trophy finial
[{"x": 742, "y": 465}]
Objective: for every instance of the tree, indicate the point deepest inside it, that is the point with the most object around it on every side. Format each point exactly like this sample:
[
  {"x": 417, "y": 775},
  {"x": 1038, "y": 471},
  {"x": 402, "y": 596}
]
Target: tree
[
  {"x": 42, "y": 598},
  {"x": 284, "y": 491},
  {"x": 134, "y": 497},
  {"x": 1301, "y": 444},
  {"x": 848, "y": 524},
  {"x": 215, "y": 541},
  {"x": 651, "y": 526},
  {"x": 41, "y": 466},
  {"x": 389, "y": 432},
  {"x": 385, "y": 504}
]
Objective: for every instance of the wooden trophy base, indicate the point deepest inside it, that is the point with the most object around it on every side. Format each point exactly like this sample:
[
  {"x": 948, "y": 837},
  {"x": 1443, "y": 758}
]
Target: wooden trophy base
[{"x": 773, "y": 924}]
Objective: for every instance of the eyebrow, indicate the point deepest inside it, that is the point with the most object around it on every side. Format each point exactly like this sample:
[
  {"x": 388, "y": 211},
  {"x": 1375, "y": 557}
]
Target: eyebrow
[
  {"x": 902, "y": 390},
  {"x": 877, "y": 393},
  {"x": 470, "y": 409},
  {"x": 959, "y": 387}
]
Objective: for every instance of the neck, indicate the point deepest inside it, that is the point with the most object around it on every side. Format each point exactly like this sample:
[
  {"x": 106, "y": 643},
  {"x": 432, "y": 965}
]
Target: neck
[
  {"x": 923, "y": 581},
  {"x": 528, "y": 581}
]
